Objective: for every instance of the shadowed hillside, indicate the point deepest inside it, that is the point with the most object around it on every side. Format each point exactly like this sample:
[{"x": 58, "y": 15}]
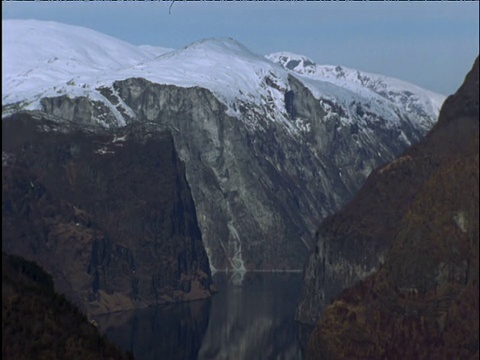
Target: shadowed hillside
[
  {"x": 37, "y": 323},
  {"x": 107, "y": 212},
  {"x": 421, "y": 214}
]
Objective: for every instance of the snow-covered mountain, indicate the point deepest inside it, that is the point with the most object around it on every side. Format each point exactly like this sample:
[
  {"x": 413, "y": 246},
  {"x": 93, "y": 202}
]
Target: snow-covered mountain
[
  {"x": 404, "y": 95},
  {"x": 271, "y": 144},
  {"x": 47, "y": 59}
]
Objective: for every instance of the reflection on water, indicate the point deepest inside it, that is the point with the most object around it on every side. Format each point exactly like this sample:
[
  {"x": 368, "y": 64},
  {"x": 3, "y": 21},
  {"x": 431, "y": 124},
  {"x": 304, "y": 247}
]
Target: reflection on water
[
  {"x": 249, "y": 318},
  {"x": 160, "y": 332},
  {"x": 253, "y": 320}
]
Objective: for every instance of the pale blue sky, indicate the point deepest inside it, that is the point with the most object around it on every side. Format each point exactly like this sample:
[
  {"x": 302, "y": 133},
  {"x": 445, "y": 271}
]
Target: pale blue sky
[{"x": 431, "y": 44}]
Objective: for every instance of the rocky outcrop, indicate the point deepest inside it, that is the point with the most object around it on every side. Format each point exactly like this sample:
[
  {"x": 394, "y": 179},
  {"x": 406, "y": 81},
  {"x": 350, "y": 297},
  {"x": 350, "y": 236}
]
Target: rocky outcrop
[
  {"x": 81, "y": 110},
  {"x": 407, "y": 249},
  {"x": 107, "y": 212}
]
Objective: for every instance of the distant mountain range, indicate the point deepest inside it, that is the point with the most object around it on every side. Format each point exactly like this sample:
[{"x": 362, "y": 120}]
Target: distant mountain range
[{"x": 271, "y": 145}]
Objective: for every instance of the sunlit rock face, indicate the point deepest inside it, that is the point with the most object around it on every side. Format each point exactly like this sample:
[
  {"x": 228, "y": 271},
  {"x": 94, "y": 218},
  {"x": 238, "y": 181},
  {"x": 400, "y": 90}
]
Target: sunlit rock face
[
  {"x": 255, "y": 190},
  {"x": 107, "y": 212},
  {"x": 405, "y": 251}
]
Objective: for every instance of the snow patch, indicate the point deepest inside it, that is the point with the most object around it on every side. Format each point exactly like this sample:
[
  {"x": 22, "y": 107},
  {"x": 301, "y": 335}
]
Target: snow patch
[
  {"x": 461, "y": 220},
  {"x": 117, "y": 139},
  {"x": 104, "y": 151},
  {"x": 236, "y": 260}
]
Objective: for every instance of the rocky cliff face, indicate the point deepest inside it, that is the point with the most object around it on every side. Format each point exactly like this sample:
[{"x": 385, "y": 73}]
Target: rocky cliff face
[
  {"x": 254, "y": 190},
  {"x": 407, "y": 247},
  {"x": 260, "y": 186},
  {"x": 354, "y": 147},
  {"x": 107, "y": 212}
]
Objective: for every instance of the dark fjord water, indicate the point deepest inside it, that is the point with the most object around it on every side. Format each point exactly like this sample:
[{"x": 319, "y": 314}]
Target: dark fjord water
[{"x": 249, "y": 318}]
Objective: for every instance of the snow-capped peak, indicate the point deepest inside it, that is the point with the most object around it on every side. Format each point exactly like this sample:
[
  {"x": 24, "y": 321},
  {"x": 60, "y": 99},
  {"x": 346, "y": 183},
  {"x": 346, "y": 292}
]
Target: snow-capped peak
[
  {"x": 42, "y": 58},
  {"x": 220, "y": 45},
  {"x": 222, "y": 65}
]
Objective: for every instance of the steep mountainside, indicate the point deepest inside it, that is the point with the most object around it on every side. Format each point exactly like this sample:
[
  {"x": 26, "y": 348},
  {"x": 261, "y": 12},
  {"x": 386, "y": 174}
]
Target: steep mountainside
[
  {"x": 108, "y": 213},
  {"x": 268, "y": 152},
  {"x": 412, "y": 235},
  {"x": 38, "y": 323}
]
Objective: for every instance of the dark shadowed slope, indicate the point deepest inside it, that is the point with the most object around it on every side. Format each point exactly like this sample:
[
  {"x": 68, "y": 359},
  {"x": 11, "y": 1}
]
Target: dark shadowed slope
[
  {"x": 37, "y": 323},
  {"x": 420, "y": 213},
  {"x": 108, "y": 213}
]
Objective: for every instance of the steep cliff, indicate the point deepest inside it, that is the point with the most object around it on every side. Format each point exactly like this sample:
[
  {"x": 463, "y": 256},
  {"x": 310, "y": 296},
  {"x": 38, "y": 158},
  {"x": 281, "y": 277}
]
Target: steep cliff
[
  {"x": 412, "y": 236},
  {"x": 260, "y": 186},
  {"x": 252, "y": 211},
  {"x": 107, "y": 212}
]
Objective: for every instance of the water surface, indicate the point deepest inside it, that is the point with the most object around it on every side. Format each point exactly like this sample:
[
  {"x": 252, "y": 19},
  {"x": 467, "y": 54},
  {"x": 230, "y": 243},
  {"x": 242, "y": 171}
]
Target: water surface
[{"x": 251, "y": 317}]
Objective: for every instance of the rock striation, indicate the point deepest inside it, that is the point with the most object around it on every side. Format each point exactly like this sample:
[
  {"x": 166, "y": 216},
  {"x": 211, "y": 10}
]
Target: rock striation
[
  {"x": 108, "y": 213},
  {"x": 395, "y": 273}
]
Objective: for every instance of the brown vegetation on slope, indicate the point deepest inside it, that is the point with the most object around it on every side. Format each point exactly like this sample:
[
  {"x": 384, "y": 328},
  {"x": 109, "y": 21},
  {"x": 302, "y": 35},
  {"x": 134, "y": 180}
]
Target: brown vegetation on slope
[
  {"x": 37, "y": 323},
  {"x": 423, "y": 302},
  {"x": 107, "y": 212}
]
